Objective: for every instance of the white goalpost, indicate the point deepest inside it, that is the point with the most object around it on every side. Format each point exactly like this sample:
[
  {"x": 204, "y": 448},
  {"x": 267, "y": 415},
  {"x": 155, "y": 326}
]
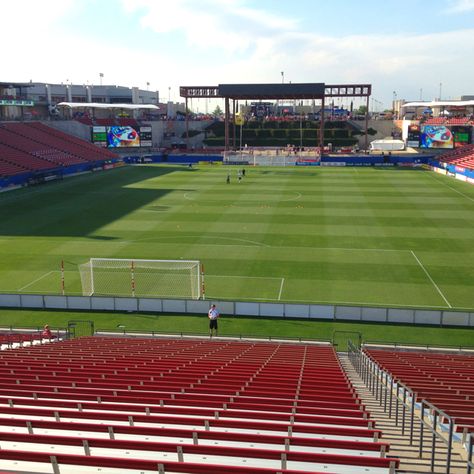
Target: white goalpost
[{"x": 142, "y": 278}]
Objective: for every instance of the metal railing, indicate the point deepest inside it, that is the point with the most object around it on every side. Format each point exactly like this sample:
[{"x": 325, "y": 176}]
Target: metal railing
[
  {"x": 470, "y": 445},
  {"x": 401, "y": 402}
]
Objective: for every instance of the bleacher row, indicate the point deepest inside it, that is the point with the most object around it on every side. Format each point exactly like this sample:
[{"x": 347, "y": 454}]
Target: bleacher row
[
  {"x": 33, "y": 146},
  {"x": 463, "y": 156},
  {"x": 12, "y": 339},
  {"x": 187, "y": 406},
  {"x": 109, "y": 122},
  {"x": 444, "y": 380}
]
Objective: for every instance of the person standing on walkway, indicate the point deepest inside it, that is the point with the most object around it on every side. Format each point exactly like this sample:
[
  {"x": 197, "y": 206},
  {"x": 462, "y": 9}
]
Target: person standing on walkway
[{"x": 213, "y": 315}]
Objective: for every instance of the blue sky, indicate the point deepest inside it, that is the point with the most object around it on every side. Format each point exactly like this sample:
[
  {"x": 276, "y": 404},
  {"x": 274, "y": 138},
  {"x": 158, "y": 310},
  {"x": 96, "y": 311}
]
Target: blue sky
[{"x": 404, "y": 47}]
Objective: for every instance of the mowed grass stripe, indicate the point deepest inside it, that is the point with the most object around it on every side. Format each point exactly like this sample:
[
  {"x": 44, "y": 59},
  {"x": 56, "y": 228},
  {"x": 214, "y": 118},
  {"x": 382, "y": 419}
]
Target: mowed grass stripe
[{"x": 277, "y": 223}]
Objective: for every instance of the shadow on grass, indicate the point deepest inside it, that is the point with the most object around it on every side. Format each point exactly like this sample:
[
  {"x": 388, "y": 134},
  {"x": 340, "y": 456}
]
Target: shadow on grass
[{"x": 81, "y": 205}]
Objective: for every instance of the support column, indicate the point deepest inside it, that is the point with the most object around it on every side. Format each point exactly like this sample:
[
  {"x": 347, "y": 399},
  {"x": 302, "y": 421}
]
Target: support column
[
  {"x": 367, "y": 126},
  {"x": 226, "y": 124},
  {"x": 187, "y": 122},
  {"x": 321, "y": 127},
  {"x": 233, "y": 125}
]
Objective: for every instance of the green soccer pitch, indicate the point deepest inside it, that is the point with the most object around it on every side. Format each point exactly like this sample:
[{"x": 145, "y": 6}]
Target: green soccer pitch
[{"x": 357, "y": 236}]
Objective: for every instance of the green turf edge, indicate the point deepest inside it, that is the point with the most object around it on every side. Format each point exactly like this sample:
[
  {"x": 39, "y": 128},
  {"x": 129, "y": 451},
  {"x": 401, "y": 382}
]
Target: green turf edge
[{"x": 424, "y": 335}]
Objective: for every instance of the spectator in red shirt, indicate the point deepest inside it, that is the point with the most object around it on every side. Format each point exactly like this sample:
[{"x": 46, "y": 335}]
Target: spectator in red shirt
[{"x": 46, "y": 333}]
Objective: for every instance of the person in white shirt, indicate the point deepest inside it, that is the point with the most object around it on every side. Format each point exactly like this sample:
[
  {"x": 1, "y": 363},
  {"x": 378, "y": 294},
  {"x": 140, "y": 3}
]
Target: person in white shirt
[{"x": 213, "y": 315}]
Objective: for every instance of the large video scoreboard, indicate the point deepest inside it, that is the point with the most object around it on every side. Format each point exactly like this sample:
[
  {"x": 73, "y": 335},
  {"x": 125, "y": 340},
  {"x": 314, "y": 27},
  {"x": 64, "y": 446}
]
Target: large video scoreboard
[
  {"x": 438, "y": 136},
  {"x": 122, "y": 136}
]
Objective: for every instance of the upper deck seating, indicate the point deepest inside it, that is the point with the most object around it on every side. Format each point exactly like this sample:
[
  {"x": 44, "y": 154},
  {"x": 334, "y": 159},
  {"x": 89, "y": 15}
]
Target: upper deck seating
[
  {"x": 128, "y": 122},
  {"x": 85, "y": 120},
  {"x": 107, "y": 122}
]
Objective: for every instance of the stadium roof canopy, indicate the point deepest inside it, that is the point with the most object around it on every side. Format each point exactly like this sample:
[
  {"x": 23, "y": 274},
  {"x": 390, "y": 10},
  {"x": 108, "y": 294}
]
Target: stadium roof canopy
[
  {"x": 441, "y": 103},
  {"x": 98, "y": 105}
]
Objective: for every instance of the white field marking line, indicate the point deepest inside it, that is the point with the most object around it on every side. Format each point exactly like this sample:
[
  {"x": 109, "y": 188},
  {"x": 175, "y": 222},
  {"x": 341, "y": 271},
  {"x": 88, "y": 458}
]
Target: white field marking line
[
  {"x": 37, "y": 279},
  {"x": 281, "y": 288},
  {"x": 297, "y": 196},
  {"x": 257, "y": 244},
  {"x": 431, "y": 279},
  {"x": 333, "y": 303},
  {"x": 453, "y": 189},
  {"x": 242, "y": 276}
]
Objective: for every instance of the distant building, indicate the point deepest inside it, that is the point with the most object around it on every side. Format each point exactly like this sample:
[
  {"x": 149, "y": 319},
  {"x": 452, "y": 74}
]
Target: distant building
[{"x": 39, "y": 99}]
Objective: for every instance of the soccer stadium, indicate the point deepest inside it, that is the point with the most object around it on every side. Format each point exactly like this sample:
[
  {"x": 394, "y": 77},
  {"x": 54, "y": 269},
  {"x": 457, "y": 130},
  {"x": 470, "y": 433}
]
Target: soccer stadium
[{"x": 335, "y": 244}]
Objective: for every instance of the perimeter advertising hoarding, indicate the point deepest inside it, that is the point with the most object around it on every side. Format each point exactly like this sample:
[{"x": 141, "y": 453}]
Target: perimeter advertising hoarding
[
  {"x": 122, "y": 137},
  {"x": 99, "y": 136},
  {"x": 436, "y": 136},
  {"x": 145, "y": 136}
]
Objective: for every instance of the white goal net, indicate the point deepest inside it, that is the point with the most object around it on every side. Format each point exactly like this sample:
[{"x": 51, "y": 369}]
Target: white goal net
[{"x": 142, "y": 278}]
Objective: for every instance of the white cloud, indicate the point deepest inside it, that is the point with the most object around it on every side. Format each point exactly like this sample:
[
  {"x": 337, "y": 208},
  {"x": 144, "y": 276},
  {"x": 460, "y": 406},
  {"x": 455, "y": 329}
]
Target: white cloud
[
  {"x": 228, "y": 41},
  {"x": 461, "y": 6},
  {"x": 229, "y": 25}
]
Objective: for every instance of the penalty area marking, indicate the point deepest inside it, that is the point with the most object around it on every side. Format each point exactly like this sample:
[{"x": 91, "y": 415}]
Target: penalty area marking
[
  {"x": 297, "y": 196},
  {"x": 431, "y": 279},
  {"x": 37, "y": 279},
  {"x": 281, "y": 288}
]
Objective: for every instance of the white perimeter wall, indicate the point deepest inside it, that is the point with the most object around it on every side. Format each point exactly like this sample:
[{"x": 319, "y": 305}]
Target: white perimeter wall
[{"x": 236, "y": 308}]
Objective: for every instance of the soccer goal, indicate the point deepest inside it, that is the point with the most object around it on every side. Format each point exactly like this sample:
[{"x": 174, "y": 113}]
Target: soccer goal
[{"x": 153, "y": 278}]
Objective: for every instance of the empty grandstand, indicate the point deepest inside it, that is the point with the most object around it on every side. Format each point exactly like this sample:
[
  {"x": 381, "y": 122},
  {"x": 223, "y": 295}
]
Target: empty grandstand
[
  {"x": 427, "y": 393},
  {"x": 461, "y": 157},
  {"x": 33, "y": 148},
  {"x": 189, "y": 406}
]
